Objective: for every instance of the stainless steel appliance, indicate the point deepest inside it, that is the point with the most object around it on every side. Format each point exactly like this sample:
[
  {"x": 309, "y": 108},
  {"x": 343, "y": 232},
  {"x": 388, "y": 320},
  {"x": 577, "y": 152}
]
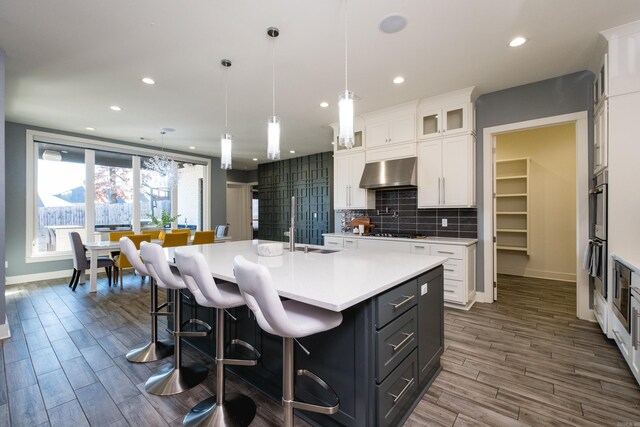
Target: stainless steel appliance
[
  {"x": 599, "y": 206},
  {"x": 621, "y": 292},
  {"x": 598, "y": 243}
]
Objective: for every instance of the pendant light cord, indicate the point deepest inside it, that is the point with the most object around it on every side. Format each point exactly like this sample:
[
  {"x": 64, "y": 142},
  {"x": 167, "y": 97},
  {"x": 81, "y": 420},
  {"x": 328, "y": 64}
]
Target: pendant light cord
[
  {"x": 226, "y": 99},
  {"x": 273, "y": 73},
  {"x": 346, "y": 86},
  {"x": 162, "y": 140}
]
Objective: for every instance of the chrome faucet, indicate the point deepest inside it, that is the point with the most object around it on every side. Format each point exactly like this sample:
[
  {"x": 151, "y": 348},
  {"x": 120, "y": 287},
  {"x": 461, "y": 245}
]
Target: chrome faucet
[{"x": 292, "y": 228}]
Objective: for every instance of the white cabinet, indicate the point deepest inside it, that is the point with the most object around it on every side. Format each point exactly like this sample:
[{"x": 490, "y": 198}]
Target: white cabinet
[
  {"x": 600, "y": 136},
  {"x": 635, "y": 336},
  {"x": 459, "y": 269},
  {"x": 446, "y": 172},
  {"x": 600, "y": 84},
  {"x": 435, "y": 121},
  {"x": 391, "y": 126},
  {"x": 347, "y": 192}
]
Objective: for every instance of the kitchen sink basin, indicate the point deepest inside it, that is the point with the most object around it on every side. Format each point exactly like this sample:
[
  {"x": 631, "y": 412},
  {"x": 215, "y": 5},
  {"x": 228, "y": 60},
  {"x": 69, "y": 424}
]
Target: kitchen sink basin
[{"x": 316, "y": 250}]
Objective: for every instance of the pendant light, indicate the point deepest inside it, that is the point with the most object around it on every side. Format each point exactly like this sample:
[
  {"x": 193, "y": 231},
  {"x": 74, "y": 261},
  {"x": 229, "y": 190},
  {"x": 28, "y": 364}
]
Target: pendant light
[
  {"x": 345, "y": 103},
  {"x": 225, "y": 139},
  {"x": 162, "y": 164},
  {"x": 273, "y": 125}
]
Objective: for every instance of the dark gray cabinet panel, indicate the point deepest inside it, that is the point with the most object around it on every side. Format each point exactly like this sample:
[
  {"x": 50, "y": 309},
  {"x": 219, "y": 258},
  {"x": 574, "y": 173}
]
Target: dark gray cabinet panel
[
  {"x": 396, "y": 393},
  {"x": 395, "y": 341},
  {"x": 395, "y": 302},
  {"x": 431, "y": 329}
]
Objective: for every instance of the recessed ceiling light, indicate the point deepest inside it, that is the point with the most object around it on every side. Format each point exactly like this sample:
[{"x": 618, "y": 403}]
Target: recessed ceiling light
[
  {"x": 148, "y": 81},
  {"x": 518, "y": 41},
  {"x": 398, "y": 80},
  {"x": 292, "y": 151},
  {"x": 333, "y": 143},
  {"x": 90, "y": 128},
  {"x": 324, "y": 104},
  {"x": 392, "y": 23},
  {"x": 116, "y": 108},
  {"x": 192, "y": 148},
  {"x": 255, "y": 160}
]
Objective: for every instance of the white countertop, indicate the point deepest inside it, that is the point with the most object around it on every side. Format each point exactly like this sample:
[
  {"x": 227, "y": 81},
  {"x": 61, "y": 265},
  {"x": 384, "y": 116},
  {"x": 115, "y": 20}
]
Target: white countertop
[
  {"x": 335, "y": 281},
  {"x": 441, "y": 240}
]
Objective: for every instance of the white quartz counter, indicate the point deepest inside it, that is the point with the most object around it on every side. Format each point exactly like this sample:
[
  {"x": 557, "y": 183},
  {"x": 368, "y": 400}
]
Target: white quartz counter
[
  {"x": 335, "y": 281},
  {"x": 441, "y": 240}
]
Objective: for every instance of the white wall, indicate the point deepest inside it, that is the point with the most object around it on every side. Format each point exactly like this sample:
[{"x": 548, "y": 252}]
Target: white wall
[{"x": 552, "y": 193}]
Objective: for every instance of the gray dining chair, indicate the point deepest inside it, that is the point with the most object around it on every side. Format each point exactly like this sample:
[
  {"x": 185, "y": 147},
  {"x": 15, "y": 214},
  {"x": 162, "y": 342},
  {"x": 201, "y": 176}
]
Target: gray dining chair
[{"x": 81, "y": 263}]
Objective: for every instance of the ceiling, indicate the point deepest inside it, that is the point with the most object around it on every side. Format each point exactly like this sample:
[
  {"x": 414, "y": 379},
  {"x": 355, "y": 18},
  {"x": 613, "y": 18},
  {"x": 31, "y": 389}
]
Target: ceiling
[{"x": 68, "y": 61}]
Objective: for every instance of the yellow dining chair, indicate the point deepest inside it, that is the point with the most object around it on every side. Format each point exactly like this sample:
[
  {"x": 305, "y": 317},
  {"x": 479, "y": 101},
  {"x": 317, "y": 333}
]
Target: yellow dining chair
[
  {"x": 115, "y": 236},
  {"x": 181, "y": 230},
  {"x": 155, "y": 234},
  {"x": 175, "y": 239},
  {"x": 204, "y": 237},
  {"x": 121, "y": 262}
]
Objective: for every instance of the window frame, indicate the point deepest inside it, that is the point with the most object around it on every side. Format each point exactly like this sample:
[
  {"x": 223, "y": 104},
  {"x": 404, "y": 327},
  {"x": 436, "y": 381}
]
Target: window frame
[{"x": 90, "y": 145}]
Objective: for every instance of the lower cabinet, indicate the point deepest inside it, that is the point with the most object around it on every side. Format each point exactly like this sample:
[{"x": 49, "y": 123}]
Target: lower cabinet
[
  {"x": 380, "y": 361},
  {"x": 459, "y": 269},
  {"x": 634, "y": 362}
]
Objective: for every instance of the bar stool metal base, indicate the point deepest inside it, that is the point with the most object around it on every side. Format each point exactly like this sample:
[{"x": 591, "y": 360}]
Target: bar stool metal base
[
  {"x": 237, "y": 410},
  {"x": 173, "y": 381},
  {"x": 151, "y": 352}
]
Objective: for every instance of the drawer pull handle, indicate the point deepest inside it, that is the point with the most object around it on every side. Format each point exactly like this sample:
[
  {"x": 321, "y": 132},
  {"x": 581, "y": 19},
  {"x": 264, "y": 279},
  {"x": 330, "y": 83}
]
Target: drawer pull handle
[
  {"x": 418, "y": 246},
  {"x": 446, "y": 252},
  {"x": 449, "y": 269},
  {"x": 403, "y": 342},
  {"x": 406, "y": 299},
  {"x": 406, "y": 387},
  {"x": 447, "y": 290}
]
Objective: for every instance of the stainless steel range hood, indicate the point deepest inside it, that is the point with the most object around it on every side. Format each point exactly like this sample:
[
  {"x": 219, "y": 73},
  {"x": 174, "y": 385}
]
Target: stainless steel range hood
[{"x": 389, "y": 174}]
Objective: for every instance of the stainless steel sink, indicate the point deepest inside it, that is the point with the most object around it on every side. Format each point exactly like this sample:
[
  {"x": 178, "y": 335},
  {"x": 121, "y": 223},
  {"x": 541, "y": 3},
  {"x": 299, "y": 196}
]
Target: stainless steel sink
[{"x": 316, "y": 250}]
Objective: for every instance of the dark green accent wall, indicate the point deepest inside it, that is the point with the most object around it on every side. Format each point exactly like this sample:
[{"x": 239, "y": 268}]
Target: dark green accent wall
[{"x": 310, "y": 180}]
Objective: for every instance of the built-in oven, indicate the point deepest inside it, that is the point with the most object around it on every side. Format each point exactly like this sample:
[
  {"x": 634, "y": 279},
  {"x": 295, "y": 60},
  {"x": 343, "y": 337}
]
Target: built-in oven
[
  {"x": 599, "y": 206},
  {"x": 597, "y": 266},
  {"x": 621, "y": 292}
]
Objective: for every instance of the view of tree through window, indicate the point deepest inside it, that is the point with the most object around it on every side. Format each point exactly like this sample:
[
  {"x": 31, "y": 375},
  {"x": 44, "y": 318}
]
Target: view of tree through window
[{"x": 113, "y": 185}]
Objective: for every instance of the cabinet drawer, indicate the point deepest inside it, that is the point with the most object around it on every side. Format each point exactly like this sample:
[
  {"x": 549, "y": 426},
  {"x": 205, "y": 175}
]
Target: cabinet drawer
[
  {"x": 420, "y": 248},
  {"x": 454, "y": 291},
  {"x": 395, "y": 302},
  {"x": 600, "y": 310},
  {"x": 621, "y": 337},
  {"x": 350, "y": 243},
  {"x": 395, "y": 341},
  {"x": 453, "y": 269},
  {"x": 450, "y": 251},
  {"x": 398, "y": 391},
  {"x": 335, "y": 242}
]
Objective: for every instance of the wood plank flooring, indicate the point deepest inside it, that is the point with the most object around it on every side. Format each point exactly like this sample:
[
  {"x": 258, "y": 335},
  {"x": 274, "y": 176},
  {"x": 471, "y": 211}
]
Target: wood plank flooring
[
  {"x": 524, "y": 360},
  {"x": 527, "y": 360}
]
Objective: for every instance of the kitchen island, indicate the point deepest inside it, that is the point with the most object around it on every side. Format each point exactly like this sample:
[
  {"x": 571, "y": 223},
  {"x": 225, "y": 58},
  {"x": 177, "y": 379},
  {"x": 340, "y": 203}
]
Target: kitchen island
[{"x": 383, "y": 356}]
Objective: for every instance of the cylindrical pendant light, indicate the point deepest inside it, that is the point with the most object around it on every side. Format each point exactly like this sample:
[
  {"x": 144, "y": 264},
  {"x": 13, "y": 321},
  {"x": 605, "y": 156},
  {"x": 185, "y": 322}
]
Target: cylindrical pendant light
[
  {"x": 273, "y": 125},
  {"x": 226, "y": 140},
  {"x": 345, "y": 103}
]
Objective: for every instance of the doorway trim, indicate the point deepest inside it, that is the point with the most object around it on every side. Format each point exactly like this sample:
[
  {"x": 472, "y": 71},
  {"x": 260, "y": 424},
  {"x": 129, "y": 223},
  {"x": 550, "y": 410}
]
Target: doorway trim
[
  {"x": 245, "y": 210},
  {"x": 580, "y": 119}
]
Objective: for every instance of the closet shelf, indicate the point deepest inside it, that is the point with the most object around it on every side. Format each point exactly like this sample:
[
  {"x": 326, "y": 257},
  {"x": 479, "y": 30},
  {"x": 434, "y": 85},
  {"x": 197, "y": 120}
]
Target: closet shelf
[{"x": 512, "y": 204}]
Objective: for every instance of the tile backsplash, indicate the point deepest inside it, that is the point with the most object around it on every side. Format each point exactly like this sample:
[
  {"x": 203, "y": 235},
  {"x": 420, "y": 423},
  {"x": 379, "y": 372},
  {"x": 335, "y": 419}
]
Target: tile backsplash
[{"x": 461, "y": 222}]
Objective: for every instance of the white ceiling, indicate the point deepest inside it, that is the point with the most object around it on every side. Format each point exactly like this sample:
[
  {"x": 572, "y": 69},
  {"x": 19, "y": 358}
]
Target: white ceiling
[{"x": 69, "y": 60}]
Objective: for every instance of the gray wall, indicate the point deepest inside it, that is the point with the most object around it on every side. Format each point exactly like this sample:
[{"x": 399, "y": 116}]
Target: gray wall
[
  {"x": 547, "y": 98},
  {"x": 234, "y": 175},
  {"x": 16, "y": 202},
  {"x": 2, "y": 190}
]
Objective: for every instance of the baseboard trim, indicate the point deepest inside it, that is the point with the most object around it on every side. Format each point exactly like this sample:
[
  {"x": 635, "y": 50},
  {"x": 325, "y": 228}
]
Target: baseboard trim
[
  {"x": 539, "y": 274},
  {"x": 36, "y": 277},
  {"x": 5, "y": 332}
]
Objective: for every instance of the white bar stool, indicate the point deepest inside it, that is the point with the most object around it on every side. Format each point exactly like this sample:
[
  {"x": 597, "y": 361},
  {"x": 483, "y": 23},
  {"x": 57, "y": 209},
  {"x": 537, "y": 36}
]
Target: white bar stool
[
  {"x": 289, "y": 319},
  {"x": 177, "y": 378},
  {"x": 156, "y": 349},
  {"x": 222, "y": 409}
]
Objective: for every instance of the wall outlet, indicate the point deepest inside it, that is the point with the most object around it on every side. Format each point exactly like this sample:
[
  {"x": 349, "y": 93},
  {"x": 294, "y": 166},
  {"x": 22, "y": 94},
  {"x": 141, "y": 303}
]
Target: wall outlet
[
  {"x": 445, "y": 222},
  {"x": 6, "y": 264},
  {"x": 424, "y": 289},
  {"x": 315, "y": 215}
]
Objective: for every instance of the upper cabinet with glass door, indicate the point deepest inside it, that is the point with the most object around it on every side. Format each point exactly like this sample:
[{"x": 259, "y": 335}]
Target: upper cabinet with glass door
[
  {"x": 600, "y": 85},
  {"x": 358, "y": 134},
  {"x": 447, "y": 114}
]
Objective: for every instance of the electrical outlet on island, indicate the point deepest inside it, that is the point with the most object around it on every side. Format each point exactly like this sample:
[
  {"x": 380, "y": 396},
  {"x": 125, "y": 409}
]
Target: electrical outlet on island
[{"x": 445, "y": 223}]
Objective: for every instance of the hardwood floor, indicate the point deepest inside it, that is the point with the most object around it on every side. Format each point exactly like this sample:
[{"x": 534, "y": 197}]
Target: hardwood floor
[
  {"x": 527, "y": 360},
  {"x": 524, "y": 360}
]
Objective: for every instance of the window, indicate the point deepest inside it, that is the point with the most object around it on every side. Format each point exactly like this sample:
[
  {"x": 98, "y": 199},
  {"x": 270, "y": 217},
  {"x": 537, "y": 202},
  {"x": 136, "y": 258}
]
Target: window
[{"x": 94, "y": 187}]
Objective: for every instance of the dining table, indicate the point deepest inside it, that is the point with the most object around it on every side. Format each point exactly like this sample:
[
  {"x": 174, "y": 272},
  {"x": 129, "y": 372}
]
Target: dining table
[{"x": 95, "y": 249}]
